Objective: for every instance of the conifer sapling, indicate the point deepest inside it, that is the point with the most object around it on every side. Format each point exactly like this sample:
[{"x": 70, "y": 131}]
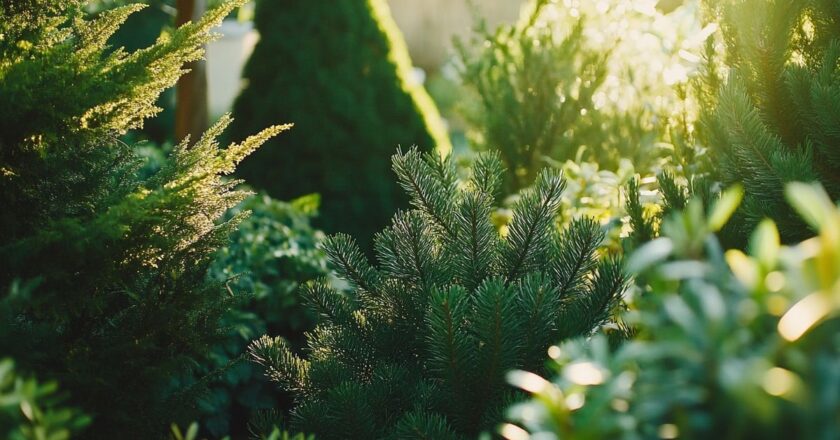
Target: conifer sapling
[{"x": 420, "y": 347}]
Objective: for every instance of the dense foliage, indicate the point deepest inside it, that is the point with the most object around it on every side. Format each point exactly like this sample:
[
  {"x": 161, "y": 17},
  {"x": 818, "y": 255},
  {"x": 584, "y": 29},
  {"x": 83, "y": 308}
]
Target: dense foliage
[
  {"x": 772, "y": 117},
  {"x": 271, "y": 254},
  {"x": 419, "y": 350},
  {"x": 579, "y": 81},
  {"x": 340, "y": 72},
  {"x": 729, "y": 344},
  {"x": 136, "y": 279},
  {"x": 119, "y": 303}
]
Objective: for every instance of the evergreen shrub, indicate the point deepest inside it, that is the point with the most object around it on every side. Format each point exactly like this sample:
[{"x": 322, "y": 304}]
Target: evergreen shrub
[
  {"x": 119, "y": 302},
  {"x": 340, "y": 72},
  {"x": 771, "y": 116},
  {"x": 419, "y": 347}
]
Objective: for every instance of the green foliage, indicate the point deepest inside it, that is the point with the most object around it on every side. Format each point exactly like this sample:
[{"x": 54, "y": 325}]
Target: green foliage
[
  {"x": 420, "y": 347},
  {"x": 30, "y": 410},
  {"x": 773, "y": 118},
  {"x": 271, "y": 254},
  {"x": 119, "y": 301},
  {"x": 141, "y": 30},
  {"x": 583, "y": 81},
  {"x": 340, "y": 72},
  {"x": 729, "y": 345},
  {"x": 272, "y": 434},
  {"x": 645, "y": 220}
]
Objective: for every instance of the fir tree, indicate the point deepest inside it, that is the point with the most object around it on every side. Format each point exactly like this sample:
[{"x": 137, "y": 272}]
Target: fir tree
[
  {"x": 120, "y": 302},
  {"x": 420, "y": 347},
  {"x": 340, "y": 72},
  {"x": 773, "y": 119}
]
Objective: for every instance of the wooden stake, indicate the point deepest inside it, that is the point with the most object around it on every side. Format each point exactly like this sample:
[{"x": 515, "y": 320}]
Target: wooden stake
[{"x": 191, "y": 93}]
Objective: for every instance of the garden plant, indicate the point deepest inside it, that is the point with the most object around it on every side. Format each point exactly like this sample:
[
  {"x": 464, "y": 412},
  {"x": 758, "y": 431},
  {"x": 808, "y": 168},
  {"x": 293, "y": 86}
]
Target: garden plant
[{"x": 637, "y": 234}]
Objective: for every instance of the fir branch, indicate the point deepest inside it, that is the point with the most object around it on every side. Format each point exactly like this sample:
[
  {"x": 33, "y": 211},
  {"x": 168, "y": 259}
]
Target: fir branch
[
  {"x": 477, "y": 245},
  {"x": 591, "y": 308},
  {"x": 449, "y": 353},
  {"x": 487, "y": 174},
  {"x": 425, "y": 188},
  {"x": 642, "y": 227},
  {"x": 576, "y": 255},
  {"x": 351, "y": 263},
  {"x": 528, "y": 235},
  {"x": 282, "y": 365}
]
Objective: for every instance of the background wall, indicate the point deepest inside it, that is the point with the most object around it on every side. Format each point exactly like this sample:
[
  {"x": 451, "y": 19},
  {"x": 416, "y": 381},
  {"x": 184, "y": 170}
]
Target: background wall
[{"x": 429, "y": 25}]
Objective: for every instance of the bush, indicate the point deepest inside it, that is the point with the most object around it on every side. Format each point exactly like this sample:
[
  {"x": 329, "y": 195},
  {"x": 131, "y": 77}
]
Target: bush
[
  {"x": 420, "y": 347},
  {"x": 271, "y": 254},
  {"x": 728, "y": 344},
  {"x": 120, "y": 303},
  {"x": 340, "y": 72}
]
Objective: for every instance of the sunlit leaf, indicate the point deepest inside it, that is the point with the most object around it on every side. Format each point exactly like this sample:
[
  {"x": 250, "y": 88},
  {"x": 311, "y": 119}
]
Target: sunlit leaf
[{"x": 725, "y": 207}]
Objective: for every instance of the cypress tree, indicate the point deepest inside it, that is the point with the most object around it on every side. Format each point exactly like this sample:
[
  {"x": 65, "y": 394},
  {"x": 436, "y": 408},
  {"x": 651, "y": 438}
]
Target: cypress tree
[
  {"x": 339, "y": 71},
  {"x": 119, "y": 302},
  {"x": 420, "y": 346}
]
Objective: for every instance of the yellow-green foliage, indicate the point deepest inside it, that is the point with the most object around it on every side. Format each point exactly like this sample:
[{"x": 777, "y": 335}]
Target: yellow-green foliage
[
  {"x": 583, "y": 80},
  {"x": 118, "y": 303}
]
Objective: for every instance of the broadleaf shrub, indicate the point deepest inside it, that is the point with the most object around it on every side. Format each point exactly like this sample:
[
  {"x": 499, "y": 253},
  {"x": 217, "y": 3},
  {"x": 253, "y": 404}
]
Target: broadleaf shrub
[
  {"x": 273, "y": 252},
  {"x": 733, "y": 344}
]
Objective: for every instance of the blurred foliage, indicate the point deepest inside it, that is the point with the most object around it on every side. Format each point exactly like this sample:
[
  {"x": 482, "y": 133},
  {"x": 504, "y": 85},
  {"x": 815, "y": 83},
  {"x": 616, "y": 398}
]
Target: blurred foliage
[
  {"x": 728, "y": 344},
  {"x": 30, "y": 410},
  {"x": 770, "y": 90},
  {"x": 192, "y": 433},
  {"x": 594, "y": 81},
  {"x": 341, "y": 73}
]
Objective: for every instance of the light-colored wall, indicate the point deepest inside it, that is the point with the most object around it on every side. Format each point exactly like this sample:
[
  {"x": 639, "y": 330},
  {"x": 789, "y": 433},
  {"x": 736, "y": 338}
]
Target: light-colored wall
[{"x": 430, "y": 25}]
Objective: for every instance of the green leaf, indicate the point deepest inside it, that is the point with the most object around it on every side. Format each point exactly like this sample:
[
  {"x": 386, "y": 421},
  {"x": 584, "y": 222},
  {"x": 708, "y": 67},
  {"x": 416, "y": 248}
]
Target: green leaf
[
  {"x": 649, "y": 254},
  {"x": 725, "y": 207},
  {"x": 765, "y": 244},
  {"x": 811, "y": 202}
]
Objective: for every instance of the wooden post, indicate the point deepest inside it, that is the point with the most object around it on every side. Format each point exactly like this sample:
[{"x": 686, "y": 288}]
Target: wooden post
[{"x": 191, "y": 91}]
